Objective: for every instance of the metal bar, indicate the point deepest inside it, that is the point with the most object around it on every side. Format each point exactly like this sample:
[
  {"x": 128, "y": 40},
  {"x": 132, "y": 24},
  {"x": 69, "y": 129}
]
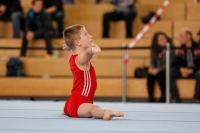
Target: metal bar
[
  {"x": 123, "y": 72},
  {"x": 167, "y": 73}
]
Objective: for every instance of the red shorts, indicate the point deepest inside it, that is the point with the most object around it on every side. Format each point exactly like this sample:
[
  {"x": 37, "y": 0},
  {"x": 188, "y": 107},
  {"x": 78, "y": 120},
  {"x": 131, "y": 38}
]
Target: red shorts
[{"x": 71, "y": 107}]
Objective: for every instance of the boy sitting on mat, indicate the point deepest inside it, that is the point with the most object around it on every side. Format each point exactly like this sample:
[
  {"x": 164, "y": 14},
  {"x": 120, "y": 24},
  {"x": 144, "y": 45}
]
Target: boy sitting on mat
[{"x": 80, "y": 103}]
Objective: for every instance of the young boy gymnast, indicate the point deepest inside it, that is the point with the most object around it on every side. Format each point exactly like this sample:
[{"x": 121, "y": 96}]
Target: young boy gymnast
[{"x": 80, "y": 103}]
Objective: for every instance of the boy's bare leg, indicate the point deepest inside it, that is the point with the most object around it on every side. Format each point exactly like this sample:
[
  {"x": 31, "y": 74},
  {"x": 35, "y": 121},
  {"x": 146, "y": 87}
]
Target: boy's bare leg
[
  {"x": 90, "y": 110},
  {"x": 63, "y": 113}
]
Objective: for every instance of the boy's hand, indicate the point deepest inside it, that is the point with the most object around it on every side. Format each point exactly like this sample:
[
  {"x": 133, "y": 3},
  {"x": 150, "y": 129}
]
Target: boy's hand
[
  {"x": 86, "y": 55},
  {"x": 95, "y": 48},
  {"x": 65, "y": 47}
]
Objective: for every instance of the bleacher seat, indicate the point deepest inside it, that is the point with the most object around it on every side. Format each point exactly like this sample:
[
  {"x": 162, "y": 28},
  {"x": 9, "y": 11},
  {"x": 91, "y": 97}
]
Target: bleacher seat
[
  {"x": 56, "y": 87},
  {"x": 193, "y": 12},
  {"x": 159, "y": 2},
  {"x": 171, "y": 12},
  {"x": 6, "y": 29},
  {"x": 136, "y": 88},
  {"x": 89, "y": 1},
  {"x": 107, "y": 87},
  {"x": 166, "y": 28}
]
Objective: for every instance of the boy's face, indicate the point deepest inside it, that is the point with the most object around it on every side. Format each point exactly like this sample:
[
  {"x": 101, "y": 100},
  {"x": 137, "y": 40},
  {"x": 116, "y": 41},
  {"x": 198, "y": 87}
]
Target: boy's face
[{"x": 85, "y": 38}]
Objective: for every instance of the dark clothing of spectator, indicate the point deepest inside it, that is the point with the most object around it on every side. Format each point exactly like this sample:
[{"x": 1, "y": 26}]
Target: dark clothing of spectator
[
  {"x": 124, "y": 10},
  {"x": 151, "y": 79},
  {"x": 198, "y": 34},
  {"x": 57, "y": 3},
  {"x": 160, "y": 63},
  {"x": 12, "y": 6},
  {"x": 15, "y": 14},
  {"x": 58, "y": 16},
  {"x": 186, "y": 60},
  {"x": 40, "y": 24}
]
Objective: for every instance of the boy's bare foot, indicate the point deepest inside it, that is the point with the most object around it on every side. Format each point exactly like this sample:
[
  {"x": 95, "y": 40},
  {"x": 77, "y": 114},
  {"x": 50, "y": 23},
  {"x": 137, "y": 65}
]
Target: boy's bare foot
[
  {"x": 109, "y": 114},
  {"x": 63, "y": 113}
]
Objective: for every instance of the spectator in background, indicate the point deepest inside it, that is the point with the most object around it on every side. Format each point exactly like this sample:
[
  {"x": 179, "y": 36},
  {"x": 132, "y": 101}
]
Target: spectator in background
[
  {"x": 38, "y": 25},
  {"x": 11, "y": 10},
  {"x": 55, "y": 8},
  {"x": 187, "y": 64},
  {"x": 124, "y": 10},
  {"x": 157, "y": 67}
]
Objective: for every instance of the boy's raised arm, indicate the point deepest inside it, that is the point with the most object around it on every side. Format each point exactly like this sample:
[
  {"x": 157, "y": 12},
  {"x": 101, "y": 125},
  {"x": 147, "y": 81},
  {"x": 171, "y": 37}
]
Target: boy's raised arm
[{"x": 85, "y": 56}]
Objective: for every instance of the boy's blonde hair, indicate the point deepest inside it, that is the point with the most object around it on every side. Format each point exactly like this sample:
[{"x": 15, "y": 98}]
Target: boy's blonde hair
[{"x": 71, "y": 33}]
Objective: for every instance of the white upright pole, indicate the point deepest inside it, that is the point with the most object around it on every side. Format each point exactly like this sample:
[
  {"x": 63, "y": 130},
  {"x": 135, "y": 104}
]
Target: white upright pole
[
  {"x": 167, "y": 73},
  {"x": 124, "y": 54}
]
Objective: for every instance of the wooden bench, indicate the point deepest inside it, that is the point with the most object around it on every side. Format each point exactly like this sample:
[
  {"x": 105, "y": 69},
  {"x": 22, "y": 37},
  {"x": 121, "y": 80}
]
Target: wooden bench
[
  {"x": 107, "y": 87},
  {"x": 171, "y": 12},
  {"x": 88, "y": 17},
  {"x": 6, "y": 29},
  {"x": 105, "y": 67},
  {"x": 137, "y": 88},
  {"x": 159, "y": 2},
  {"x": 86, "y": 11},
  {"x": 193, "y": 12},
  {"x": 60, "y": 67},
  {"x": 104, "y": 43},
  {"x": 84, "y": 1},
  {"x": 89, "y": 1},
  {"x": 95, "y": 12},
  {"x": 166, "y": 28},
  {"x": 117, "y": 29}
]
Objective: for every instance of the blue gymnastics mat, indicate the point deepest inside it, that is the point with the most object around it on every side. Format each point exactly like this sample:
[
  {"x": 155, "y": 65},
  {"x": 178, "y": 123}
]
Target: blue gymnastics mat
[{"x": 45, "y": 117}]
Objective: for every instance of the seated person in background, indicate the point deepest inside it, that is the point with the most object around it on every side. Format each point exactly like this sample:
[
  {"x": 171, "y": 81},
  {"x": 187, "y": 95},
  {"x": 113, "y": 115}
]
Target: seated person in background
[
  {"x": 38, "y": 25},
  {"x": 55, "y": 8},
  {"x": 124, "y": 10},
  {"x": 187, "y": 64},
  {"x": 11, "y": 10},
  {"x": 157, "y": 67}
]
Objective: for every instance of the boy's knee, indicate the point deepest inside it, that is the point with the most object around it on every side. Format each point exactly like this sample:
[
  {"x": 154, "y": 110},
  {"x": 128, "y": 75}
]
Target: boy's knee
[{"x": 96, "y": 106}]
